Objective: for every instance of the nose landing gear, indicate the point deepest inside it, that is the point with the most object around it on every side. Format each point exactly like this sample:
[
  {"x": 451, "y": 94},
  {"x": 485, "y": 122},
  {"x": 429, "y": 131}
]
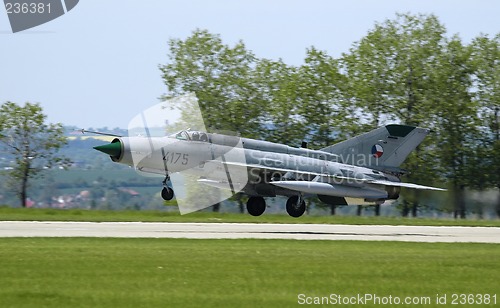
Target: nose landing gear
[{"x": 167, "y": 193}]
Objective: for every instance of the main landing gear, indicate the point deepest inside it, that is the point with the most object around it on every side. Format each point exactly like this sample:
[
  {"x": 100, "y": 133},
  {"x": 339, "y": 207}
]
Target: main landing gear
[
  {"x": 167, "y": 193},
  {"x": 295, "y": 206},
  {"x": 256, "y": 206}
]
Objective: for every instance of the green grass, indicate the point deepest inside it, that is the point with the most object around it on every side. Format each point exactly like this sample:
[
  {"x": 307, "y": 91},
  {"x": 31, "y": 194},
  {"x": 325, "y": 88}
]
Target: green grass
[
  {"x": 93, "y": 272},
  {"x": 7, "y": 213}
]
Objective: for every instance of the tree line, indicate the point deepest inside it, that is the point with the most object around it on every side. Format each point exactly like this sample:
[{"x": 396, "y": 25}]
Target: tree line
[{"x": 406, "y": 70}]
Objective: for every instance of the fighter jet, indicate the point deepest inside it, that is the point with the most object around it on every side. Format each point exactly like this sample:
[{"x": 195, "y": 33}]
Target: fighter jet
[{"x": 365, "y": 167}]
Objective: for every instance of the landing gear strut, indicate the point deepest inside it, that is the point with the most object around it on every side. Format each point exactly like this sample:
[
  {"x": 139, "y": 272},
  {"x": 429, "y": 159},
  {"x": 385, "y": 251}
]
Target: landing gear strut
[
  {"x": 256, "y": 206},
  {"x": 295, "y": 206},
  {"x": 167, "y": 193}
]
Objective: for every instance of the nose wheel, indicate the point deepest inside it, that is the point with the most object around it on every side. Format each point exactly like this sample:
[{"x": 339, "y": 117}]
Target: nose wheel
[{"x": 167, "y": 193}]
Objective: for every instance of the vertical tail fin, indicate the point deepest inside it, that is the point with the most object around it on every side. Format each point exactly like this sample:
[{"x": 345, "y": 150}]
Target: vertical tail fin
[{"x": 385, "y": 147}]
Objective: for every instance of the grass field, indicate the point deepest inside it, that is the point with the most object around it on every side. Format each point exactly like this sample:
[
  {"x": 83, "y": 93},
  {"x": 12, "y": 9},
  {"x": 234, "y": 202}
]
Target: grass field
[
  {"x": 7, "y": 213},
  {"x": 84, "y": 272}
]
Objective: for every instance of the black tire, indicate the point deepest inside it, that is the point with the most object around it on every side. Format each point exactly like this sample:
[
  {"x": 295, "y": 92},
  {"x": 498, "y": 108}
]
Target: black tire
[
  {"x": 293, "y": 209},
  {"x": 256, "y": 206},
  {"x": 167, "y": 193}
]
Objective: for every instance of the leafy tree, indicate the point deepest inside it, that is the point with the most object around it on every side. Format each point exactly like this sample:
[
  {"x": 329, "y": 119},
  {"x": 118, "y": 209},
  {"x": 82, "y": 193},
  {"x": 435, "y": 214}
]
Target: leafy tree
[
  {"x": 388, "y": 73},
  {"x": 32, "y": 142},
  {"x": 456, "y": 119},
  {"x": 302, "y": 103},
  {"x": 326, "y": 109},
  {"x": 486, "y": 59},
  {"x": 278, "y": 86},
  {"x": 220, "y": 76}
]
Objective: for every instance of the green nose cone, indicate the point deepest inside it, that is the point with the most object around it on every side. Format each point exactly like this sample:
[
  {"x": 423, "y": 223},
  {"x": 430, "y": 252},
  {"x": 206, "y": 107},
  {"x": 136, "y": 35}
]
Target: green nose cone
[{"x": 112, "y": 149}]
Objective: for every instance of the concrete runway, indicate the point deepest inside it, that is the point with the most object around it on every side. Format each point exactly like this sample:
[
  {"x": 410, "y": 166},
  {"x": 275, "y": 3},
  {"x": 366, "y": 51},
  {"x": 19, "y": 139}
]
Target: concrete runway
[{"x": 257, "y": 231}]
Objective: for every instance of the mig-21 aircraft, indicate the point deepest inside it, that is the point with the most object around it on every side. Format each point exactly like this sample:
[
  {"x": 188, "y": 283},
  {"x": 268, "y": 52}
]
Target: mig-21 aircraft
[{"x": 365, "y": 167}]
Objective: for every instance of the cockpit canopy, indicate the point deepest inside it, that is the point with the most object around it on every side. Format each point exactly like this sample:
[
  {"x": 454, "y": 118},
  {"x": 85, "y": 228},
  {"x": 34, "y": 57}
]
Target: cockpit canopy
[{"x": 191, "y": 135}]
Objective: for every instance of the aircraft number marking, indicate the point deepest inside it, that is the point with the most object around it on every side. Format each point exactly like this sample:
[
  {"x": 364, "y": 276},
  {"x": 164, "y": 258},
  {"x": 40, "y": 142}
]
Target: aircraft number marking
[{"x": 174, "y": 158}]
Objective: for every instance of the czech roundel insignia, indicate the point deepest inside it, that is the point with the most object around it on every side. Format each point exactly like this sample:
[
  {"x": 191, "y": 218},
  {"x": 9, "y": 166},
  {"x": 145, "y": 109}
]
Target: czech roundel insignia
[{"x": 377, "y": 151}]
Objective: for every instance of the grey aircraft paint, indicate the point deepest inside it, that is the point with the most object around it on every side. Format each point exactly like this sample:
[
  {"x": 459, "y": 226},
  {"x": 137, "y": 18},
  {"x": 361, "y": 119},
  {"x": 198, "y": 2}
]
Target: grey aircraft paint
[{"x": 366, "y": 166}]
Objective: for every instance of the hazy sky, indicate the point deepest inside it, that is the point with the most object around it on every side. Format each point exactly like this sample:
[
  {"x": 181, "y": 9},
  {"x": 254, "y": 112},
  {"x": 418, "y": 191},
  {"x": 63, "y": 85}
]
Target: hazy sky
[{"x": 98, "y": 64}]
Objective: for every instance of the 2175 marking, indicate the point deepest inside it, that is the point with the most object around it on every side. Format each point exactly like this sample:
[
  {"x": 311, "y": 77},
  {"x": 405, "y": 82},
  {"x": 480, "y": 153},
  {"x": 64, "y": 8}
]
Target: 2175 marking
[{"x": 174, "y": 158}]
